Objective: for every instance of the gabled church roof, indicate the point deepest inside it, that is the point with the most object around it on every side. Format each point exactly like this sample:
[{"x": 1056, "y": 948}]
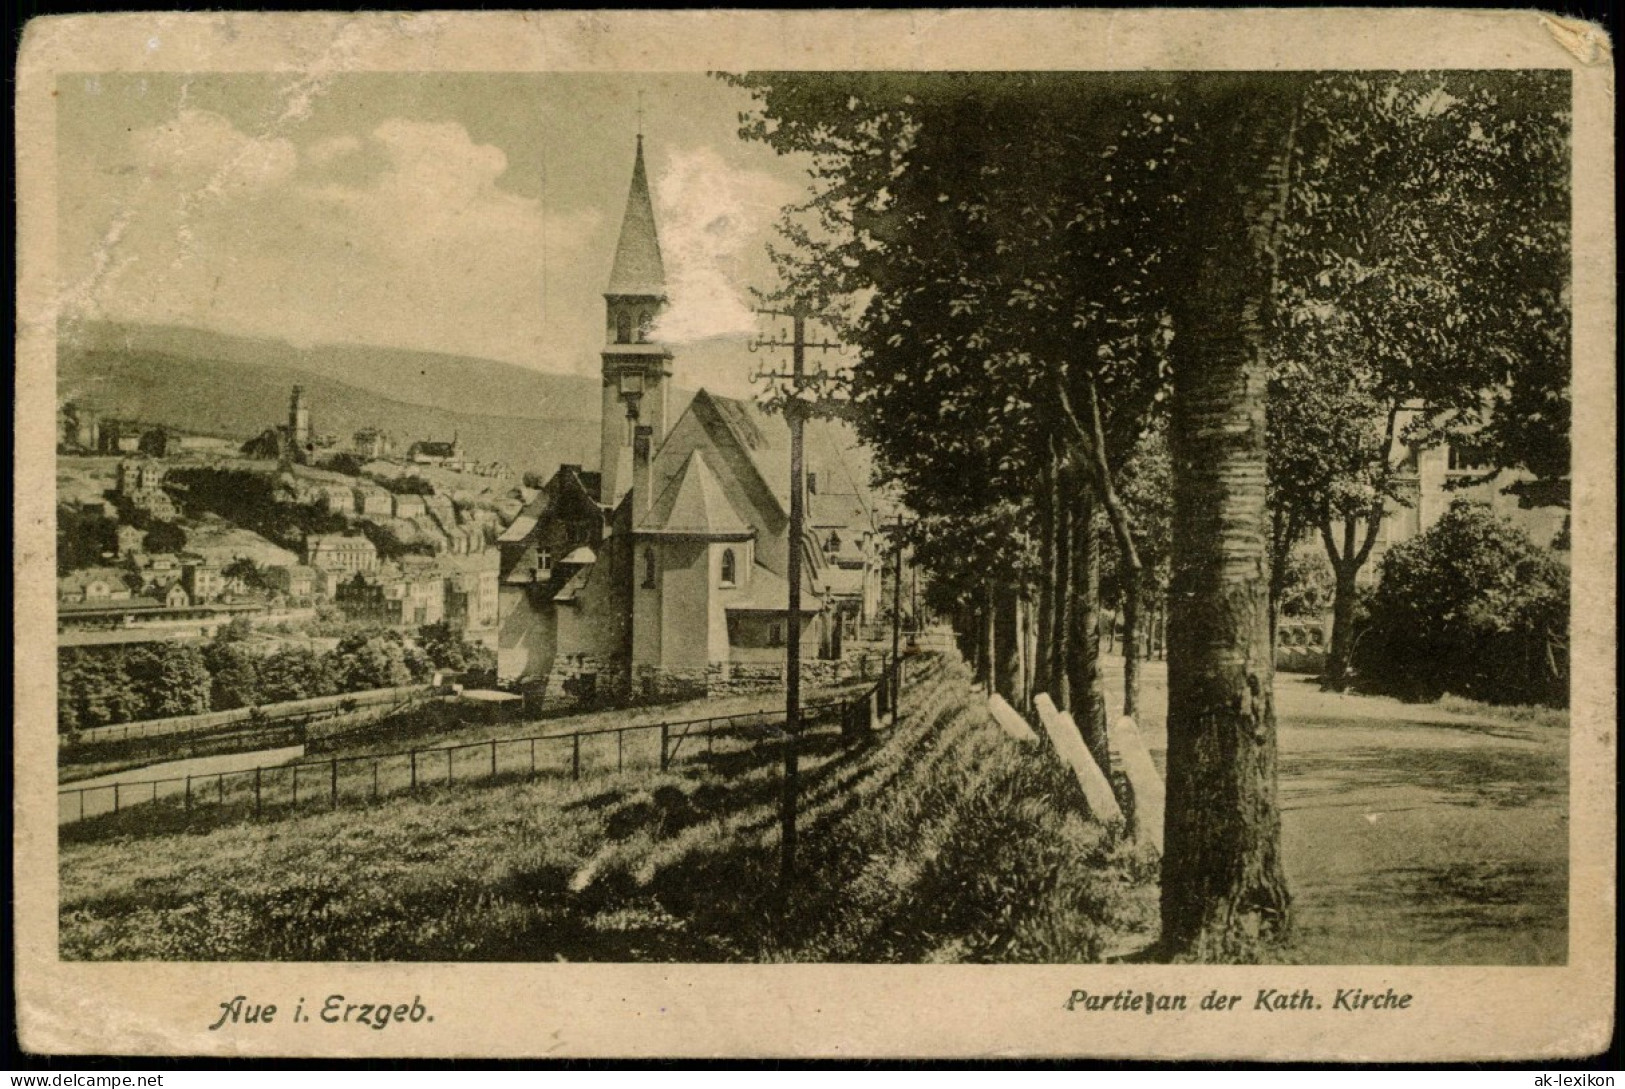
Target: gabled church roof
[
  {"x": 765, "y": 442},
  {"x": 693, "y": 505},
  {"x": 638, "y": 269}
]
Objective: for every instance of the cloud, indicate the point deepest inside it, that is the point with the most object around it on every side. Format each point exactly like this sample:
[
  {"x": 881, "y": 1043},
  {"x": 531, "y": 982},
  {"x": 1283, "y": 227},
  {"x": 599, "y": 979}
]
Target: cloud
[
  {"x": 325, "y": 151},
  {"x": 200, "y": 153},
  {"x": 218, "y": 228},
  {"x": 714, "y": 221}
]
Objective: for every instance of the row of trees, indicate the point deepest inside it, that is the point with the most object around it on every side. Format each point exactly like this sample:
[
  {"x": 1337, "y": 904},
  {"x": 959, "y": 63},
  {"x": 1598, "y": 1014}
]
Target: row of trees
[
  {"x": 100, "y": 686},
  {"x": 1074, "y": 296}
]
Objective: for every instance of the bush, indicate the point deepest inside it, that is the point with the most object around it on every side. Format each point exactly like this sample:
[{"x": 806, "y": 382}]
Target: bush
[{"x": 1472, "y": 607}]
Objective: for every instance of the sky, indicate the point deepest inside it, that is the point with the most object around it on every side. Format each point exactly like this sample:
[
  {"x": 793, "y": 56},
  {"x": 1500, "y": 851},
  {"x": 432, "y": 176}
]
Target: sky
[{"x": 469, "y": 213}]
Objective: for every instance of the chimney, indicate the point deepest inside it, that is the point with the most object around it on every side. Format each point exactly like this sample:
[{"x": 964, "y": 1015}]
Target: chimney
[{"x": 642, "y": 456}]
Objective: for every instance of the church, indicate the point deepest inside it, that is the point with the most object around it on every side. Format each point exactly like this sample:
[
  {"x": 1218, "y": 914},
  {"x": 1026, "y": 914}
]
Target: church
[{"x": 662, "y": 574}]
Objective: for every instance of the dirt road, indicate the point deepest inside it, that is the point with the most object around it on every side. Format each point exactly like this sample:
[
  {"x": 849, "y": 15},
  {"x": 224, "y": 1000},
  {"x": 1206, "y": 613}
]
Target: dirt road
[{"x": 1412, "y": 835}]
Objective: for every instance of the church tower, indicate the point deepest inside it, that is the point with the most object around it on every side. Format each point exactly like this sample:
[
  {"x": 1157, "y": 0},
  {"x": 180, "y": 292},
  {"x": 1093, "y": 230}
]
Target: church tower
[
  {"x": 299, "y": 430},
  {"x": 636, "y": 370}
]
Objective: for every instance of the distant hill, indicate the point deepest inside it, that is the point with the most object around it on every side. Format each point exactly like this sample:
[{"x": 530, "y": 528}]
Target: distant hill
[{"x": 212, "y": 383}]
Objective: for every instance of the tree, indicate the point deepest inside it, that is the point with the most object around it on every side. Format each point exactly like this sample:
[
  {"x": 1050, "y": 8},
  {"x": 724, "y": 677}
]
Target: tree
[
  {"x": 365, "y": 661},
  {"x": 408, "y": 485},
  {"x": 169, "y": 678},
  {"x": 83, "y": 538},
  {"x": 295, "y": 673},
  {"x": 1002, "y": 294},
  {"x": 251, "y": 574},
  {"x": 233, "y": 668},
  {"x": 1223, "y": 887},
  {"x": 1474, "y": 607},
  {"x": 1145, "y": 484},
  {"x": 446, "y": 648},
  {"x": 164, "y": 537},
  {"x": 1423, "y": 299}
]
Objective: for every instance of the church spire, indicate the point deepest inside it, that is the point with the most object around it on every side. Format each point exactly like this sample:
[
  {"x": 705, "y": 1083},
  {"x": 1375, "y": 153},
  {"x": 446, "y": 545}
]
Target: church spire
[{"x": 638, "y": 269}]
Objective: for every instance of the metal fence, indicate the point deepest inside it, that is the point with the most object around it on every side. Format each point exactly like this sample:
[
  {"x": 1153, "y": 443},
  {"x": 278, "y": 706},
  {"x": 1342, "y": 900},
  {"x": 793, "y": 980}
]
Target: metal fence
[{"x": 363, "y": 779}]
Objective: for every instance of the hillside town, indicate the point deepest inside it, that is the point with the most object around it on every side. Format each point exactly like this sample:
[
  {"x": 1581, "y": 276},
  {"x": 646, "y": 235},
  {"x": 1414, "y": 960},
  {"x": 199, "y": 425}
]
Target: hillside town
[{"x": 1059, "y": 551}]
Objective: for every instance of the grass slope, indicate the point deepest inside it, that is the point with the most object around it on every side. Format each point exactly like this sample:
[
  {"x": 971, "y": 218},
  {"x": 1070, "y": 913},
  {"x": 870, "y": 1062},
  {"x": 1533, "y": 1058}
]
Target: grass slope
[{"x": 935, "y": 840}]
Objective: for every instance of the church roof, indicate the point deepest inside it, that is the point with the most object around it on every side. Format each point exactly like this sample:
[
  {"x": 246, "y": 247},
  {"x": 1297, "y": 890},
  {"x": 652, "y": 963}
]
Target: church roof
[
  {"x": 638, "y": 269},
  {"x": 770, "y": 593},
  {"x": 830, "y": 449},
  {"x": 693, "y": 505}
]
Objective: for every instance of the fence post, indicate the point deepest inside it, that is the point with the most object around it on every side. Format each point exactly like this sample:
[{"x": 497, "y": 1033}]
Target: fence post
[
  {"x": 115, "y": 797},
  {"x": 493, "y": 758},
  {"x": 155, "y": 792},
  {"x": 575, "y": 757},
  {"x": 414, "y": 755},
  {"x": 81, "y": 805},
  {"x": 665, "y": 733},
  {"x": 620, "y": 750},
  {"x": 296, "y": 784},
  {"x": 533, "y": 757},
  {"x": 220, "y": 788},
  {"x": 333, "y": 768},
  {"x": 256, "y": 792},
  {"x": 449, "y": 753},
  {"x": 188, "y": 793},
  {"x": 375, "y": 780}
]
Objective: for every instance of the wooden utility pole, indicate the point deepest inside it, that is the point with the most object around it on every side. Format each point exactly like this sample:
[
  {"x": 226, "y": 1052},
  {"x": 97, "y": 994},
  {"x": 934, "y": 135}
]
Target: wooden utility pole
[{"x": 795, "y": 415}]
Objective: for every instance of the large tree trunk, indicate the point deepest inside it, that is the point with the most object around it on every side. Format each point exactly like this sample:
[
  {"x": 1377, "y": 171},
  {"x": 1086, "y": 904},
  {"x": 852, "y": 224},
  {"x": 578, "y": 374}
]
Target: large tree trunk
[
  {"x": 1131, "y": 648},
  {"x": 1346, "y": 565},
  {"x": 1223, "y": 888},
  {"x": 990, "y": 652},
  {"x": 1060, "y": 680},
  {"x": 1340, "y": 656},
  {"x": 1043, "y": 658},
  {"x": 1007, "y": 646},
  {"x": 1084, "y": 675}
]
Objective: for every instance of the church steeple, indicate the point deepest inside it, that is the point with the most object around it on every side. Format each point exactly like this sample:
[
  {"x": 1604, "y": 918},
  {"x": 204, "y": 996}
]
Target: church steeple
[
  {"x": 638, "y": 269},
  {"x": 635, "y": 368}
]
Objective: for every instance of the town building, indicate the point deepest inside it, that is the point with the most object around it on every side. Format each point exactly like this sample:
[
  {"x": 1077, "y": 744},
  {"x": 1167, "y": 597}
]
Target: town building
[
  {"x": 407, "y": 506},
  {"x": 407, "y": 594},
  {"x": 473, "y": 592},
  {"x": 129, "y": 539},
  {"x": 372, "y": 500},
  {"x": 78, "y": 428},
  {"x": 341, "y": 553},
  {"x": 664, "y": 572},
  {"x": 294, "y": 581},
  {"x": 203, "y": 579},
  {"x": 373, "y": 444},
  {"x": 94, "y": 584},
  {"x": 430, "y": 452},
  {"x": 140, "y": 485}
]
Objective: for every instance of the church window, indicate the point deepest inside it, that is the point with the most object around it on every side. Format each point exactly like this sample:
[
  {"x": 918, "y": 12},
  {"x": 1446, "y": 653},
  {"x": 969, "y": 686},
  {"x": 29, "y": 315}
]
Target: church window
[
  {"x": 648, "y": 569},
  {"x": 623, "y": 328},
  {"x": 645, "y": 324},
  {"x": 729, "y": 570}
]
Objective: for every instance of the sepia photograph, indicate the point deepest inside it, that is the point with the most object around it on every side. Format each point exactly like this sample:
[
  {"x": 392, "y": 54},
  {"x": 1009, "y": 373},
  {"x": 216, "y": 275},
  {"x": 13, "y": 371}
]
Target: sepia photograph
[{"x": 1126, "y": 517}]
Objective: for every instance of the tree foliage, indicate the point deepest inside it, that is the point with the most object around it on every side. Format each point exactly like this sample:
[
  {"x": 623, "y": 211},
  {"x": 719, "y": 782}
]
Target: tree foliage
[{"x": 1472, "y": 607}]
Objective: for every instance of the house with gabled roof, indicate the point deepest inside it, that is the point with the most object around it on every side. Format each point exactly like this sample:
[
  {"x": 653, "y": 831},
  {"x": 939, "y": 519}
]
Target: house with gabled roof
[{"x": 664, "y": 572}]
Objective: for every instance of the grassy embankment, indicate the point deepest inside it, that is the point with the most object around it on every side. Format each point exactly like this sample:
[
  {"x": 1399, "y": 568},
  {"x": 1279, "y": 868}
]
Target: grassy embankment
[{"x": 934, "y": 840}]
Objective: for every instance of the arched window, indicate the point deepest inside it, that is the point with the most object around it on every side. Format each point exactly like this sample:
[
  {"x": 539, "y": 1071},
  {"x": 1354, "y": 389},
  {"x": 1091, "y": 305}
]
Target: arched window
[
  {"x": 648, "y": 569},
  {"x": 645, "y": 324},
  {"x": 729, "y": 571},
  {"x": 623, "y": 328}
]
